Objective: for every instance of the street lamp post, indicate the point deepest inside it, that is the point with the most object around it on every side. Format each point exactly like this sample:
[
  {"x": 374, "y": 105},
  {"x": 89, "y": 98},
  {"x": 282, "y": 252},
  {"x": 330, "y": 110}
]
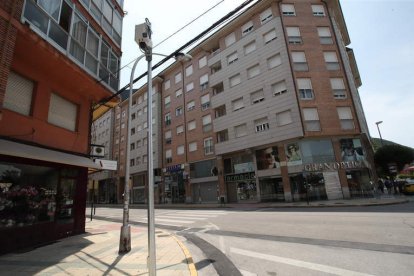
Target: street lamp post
[{"x": 379, "y": 132}]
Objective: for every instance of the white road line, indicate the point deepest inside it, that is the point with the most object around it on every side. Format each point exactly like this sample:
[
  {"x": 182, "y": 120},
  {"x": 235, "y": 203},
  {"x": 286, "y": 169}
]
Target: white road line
[
  {"x": 164, "y": 223},
  {"x": 247, "y": 273},
  {"x": 303, "y": 264},
  {"x": 202, "y": 212},
  {"x": 180, "y": 217},
  {"x": 197, "y": 215}
]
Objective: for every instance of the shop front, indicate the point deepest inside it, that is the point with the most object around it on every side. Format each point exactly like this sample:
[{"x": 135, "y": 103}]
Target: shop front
[
  {"x": 174, "y": 184},
  {"x": 204, "y": 181}
]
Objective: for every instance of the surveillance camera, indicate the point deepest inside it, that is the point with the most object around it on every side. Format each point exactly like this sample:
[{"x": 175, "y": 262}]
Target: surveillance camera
[{"x": 143, "y": 36}]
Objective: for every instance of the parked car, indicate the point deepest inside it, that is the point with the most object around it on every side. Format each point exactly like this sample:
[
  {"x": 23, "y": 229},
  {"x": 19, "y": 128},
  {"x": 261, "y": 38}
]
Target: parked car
[{"x": 409, "y": 186}]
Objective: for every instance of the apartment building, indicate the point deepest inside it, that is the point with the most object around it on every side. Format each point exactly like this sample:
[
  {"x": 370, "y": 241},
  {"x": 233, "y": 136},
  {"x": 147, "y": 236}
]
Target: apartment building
[
  {"x": 102, "y": 184},
  {"x": 268, "y": 110},
  {"x": 58, "y": 59}
]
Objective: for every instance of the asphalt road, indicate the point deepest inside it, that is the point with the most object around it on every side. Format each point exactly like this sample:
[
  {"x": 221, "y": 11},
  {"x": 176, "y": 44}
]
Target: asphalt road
[{"x": 375, "y": 240}]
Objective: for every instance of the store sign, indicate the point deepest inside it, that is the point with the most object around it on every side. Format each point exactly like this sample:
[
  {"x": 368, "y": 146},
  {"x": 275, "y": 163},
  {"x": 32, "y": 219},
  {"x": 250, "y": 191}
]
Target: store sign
[
  {"x": 240, "y": 177},
  {"x": 333, "y": 166},
  {"x": 110, "y": 165},
  {"x": 174, "y": 168}
]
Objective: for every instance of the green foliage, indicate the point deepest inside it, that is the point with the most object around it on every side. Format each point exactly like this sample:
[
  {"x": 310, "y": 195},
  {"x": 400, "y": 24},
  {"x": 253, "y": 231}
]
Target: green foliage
[{"x": 388, "y": 154}]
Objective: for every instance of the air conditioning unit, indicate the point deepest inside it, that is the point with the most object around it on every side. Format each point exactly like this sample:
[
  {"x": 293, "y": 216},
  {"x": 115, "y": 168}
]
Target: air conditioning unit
[{"x": 97, "y": 151}]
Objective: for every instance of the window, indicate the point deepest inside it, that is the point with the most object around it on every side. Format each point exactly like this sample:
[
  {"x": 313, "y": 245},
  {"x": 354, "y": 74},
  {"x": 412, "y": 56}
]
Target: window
[
  {"x": 168, "y": 156},
  {"x": 208, "y": 146},
  {"x": 346, "y": 118},
  {"x": 274, "y": 61},
  {"x": 167, "y": 136},
  {"x": 325, "y": 36},
  {"x": 220, "y": 111},
  {"x": 251, "y": 47},
  {"x": 305, "y": 89},
  {"x": 279, "y": 88},
  {"x": 189, "y": 70},
  {"x": 218, "y": 88},
  {"x": 145, "y": 159},
  {"x": 191, "y": 125},
  {"x": 138, "y": 160},
  {"x": 215, "y": 67},
  {"x": 180, "y": 129},
  {"x": 253, "y": 71},
  {"x": 180, "y": 150},
  {"x": 247, "y": 28},
  {"x": 133, "y": 116},
  {"x": 261, "y": 125},
  {"x": 179, "y": 111},
  {"x": 311, "y": 119},
  {"x": 178, "y": 77},
  {"x": 338, "y": 88},
  {"x": 18, "y": 95},
  {"x": 331, "y": 61},
  {"x": 167, "y": 84},
  {"x": 202, "y": 62},
  {"x": 206, "y": 123},
  {"x": 192, "y": 146},
  {"x": 293, "y": 34},
  {"x": 288, "y": 10},
  {"x": 62, "y": 112},
  {"x": 167, "y": 101},
  {"x": 204, "y": 82},
  {"x": 167, "y": 119},
  {"x": 132, "y": 146},
  {"x": 299, "y": 61},
  {"x": 284, "y": 118},
  {"x": 190, "y": 105},
  {"x": 123, "y": 114},
  {"x": 266, "y": 16},
  {"x": 189, "y": 87},
  {"x": 257, "y": 97},
  {"x": 222, "y": 136},
  {"x": 230, "y": 39},
  {"x": 318, "y": 10},
  {"x": 269, "y": 36},
  {"x": 179, "y": 92},
  {"x": 237, "y": 104},
  {"x": 205, "y": 102},
  {"x": 240, "y": 130},
  {"x": 232, "y": 58},
  {"x": 235, "y": 80}
]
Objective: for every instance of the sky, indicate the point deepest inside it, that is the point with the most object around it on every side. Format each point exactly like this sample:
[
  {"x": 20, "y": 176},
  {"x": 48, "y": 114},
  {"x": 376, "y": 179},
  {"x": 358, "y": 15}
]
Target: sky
[{"x": 381, "y": 33}]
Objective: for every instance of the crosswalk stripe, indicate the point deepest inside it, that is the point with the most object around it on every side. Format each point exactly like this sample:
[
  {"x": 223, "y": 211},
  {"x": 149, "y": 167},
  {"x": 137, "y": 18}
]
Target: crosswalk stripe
[{"x": 180, "y": 217}]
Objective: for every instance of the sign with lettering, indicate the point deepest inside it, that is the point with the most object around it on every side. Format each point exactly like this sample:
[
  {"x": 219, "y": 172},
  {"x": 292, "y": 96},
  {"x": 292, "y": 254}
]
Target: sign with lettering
[
  {"x": 240, "y": 177},
  {"x": 174, "y": 168},
  {"x": 334, "y": 166}
]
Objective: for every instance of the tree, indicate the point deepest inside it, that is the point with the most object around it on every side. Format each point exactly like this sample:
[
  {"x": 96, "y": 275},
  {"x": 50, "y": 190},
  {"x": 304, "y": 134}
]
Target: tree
[{"x": 389, "y": 154}]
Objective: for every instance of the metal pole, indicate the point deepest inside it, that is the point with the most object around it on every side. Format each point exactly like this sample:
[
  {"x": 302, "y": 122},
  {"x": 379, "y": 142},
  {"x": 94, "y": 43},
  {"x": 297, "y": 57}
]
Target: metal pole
[
  {"x": 379, "y": 132},
  {"x": 151, "y": 223},
  {"x": 125, "y": 237}
]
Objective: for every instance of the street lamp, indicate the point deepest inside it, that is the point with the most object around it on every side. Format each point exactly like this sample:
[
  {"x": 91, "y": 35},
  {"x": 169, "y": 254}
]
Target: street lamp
[
  {"x": 377, "y": 123},
  {"x": 143, "y": 38}
]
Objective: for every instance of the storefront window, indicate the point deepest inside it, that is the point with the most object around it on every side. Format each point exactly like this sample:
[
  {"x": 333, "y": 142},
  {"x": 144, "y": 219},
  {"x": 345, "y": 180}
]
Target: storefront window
[
  {"x": 65, "y": 199},
  {"x": 293, "y": 154},
  {"x": 205, "y": 168},
  {"x": 271, "y": 189},
  {"x": 359, "y": 183},
  {"x": 317, "y": 151},
  {"x": 351, "y": 150},
  {"x": 267, "y": 158},
  {"x": 308, "y": 186},
  {"x": 27, "y": 194}
]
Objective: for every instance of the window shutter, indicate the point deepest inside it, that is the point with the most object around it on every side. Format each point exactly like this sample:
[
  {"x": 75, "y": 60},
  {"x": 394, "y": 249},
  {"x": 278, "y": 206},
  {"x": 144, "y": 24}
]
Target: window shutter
[
  {"x": 274, "y": 61},
  {"x": 179, "y": 92},
  {"x": 232, "y": 58},
  {"x": 238, "y": 104},
  {"x": 203, "y": 79},
  {"x": 189, "y": 70},
  {"x": 253, "y": 71},
  {"x": 167, "y": 100},
  {"x": 298, "y": 57},
  {"x": 249, "y": 48},
  {"x": 240, "y": 130},
  {"x": 310, "y": 114},
  {"x": 206, "y": 120},
  {"x": 269, "y": 36},
  {"x": 337, "y": 83},
  {"x": 235, "y": 80},
  {"x": 304, "y": 84},
  {"x": 192, "y": 146},
  {"x": 288, "y": 9},
  {"x": 330, "y": 57},
  {"x": 191, "y": 125},
  {"x": 246, "y": 28},
  {"x": 318, "y": 10},
  {"x": 168, "y": 153},
  {"x": 18, "y": 95},
  {"x": 324, "y": 32},
  {"x": 205, "y": 99},
  {"x": 279, "y": 87},
  {"x": 293, "y": 31},
  {"x": 344, "y": 113},
  {"x": 168, "y": 134},
  {"x": 284, "y": 118},
  {"x": 257, "y": 96},
  {"x": 266, "y": 15},
  {"x": 202, "y": 62},
  {"x": 62, "y": 112},
  {"x": 189, "y": 87}
]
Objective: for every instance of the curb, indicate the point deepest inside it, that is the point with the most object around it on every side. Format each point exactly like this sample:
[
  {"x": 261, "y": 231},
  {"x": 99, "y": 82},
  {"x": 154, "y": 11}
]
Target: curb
[{"x": 189, "y": 259}]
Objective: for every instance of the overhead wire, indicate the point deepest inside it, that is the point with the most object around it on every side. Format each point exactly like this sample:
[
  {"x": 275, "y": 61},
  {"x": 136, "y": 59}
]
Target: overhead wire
[{"x": 215, "y": 25}]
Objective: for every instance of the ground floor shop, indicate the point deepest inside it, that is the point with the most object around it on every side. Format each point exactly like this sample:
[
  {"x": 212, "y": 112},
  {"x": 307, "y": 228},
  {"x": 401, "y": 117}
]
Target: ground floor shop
[
  {"x": 40, "y": 200},
  {"x": 304, "y": 170}
]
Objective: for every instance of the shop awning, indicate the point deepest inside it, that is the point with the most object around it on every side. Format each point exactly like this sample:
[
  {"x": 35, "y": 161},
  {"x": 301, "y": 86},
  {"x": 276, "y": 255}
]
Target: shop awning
[{"x": 37, "y": 153}]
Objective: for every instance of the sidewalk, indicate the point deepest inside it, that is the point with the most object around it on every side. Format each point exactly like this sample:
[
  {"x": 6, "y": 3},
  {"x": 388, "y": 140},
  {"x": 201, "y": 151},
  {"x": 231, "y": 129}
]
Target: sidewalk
[{"x": 96, "y": 253}]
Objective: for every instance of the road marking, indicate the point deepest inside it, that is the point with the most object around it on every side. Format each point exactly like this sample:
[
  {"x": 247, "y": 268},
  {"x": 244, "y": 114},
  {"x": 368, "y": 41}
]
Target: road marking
[
  {"x": 303, "y": 264},
  {"x": 247, "y": 273},
  {"x": 157, "y": 220},
  {"x": 180, "y": 217}
]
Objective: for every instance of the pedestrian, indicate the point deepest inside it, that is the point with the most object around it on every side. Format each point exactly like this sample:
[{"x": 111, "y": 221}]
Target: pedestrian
[
  {"x": 381, "y": 185},
  {"x": 388, "y": 185}
]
